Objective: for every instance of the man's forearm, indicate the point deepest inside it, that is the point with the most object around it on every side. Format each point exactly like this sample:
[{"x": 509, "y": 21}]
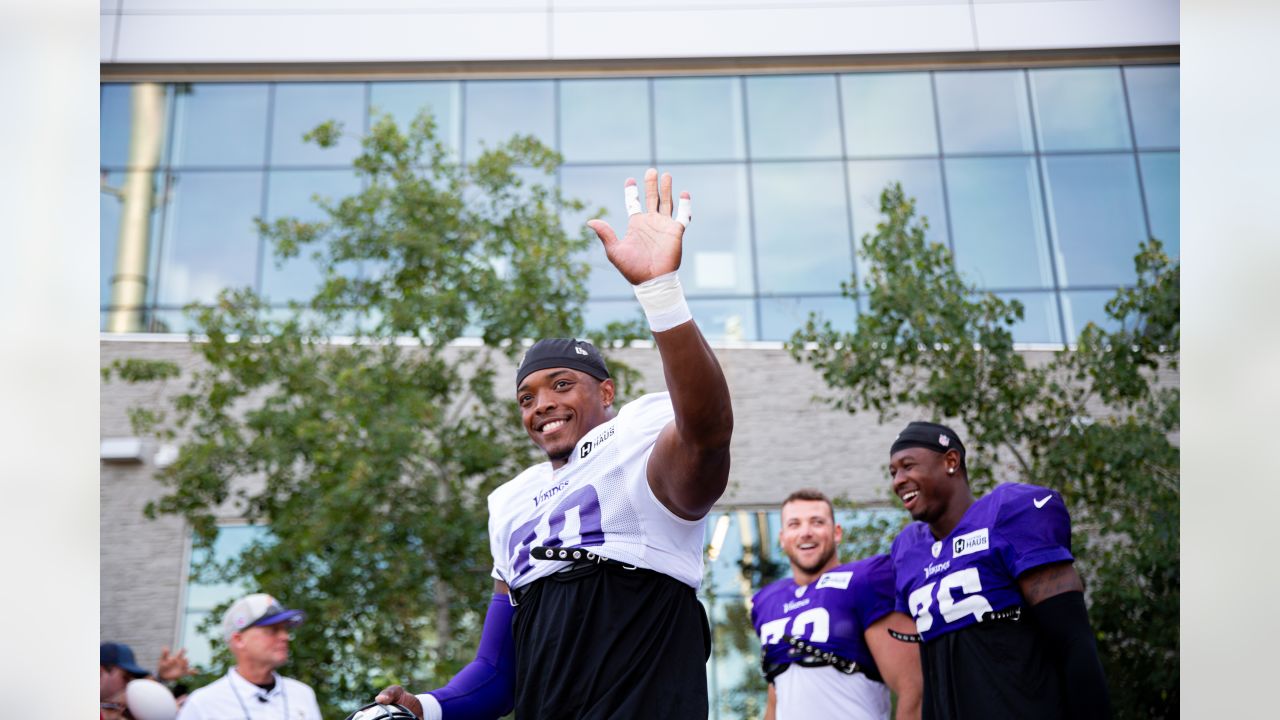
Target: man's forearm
[
  {"x": 484, "y": 689},
  {"x": 699, "y": 392},
  {"x": 1064, "y": 623}
]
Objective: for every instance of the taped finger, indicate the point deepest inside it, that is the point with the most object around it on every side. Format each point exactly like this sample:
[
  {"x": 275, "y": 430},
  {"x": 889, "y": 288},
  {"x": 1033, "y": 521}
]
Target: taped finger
[
  {"x": 631, "y": 196},
  {"x": 684, "y": 211}
]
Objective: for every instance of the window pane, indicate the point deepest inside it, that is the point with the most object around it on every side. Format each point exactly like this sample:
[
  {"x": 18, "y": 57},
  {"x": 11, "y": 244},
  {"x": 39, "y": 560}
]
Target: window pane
[
  {"x": 220, "y": 125},
  {"x": 120, "y": 124},
  {"x": 600, "y": 187},
  {"x": 921, "y": 180},
  {"x": 802, "y": 229},
  {"x": 996, "y": 222},
  {"x": 599, "y": 313},
  {"x": 888, "y": 114},
  {"x": 404, "y": 100},
  {"x": 984, "y": 111},
  {"x": 289, "y": 194},
  {"x": 1160, "y": 175},
  {"x": 202, "y": 598},
  {"x": 698, "y": 119},
  {"x": 1080, "y": 109},
  {"x": 300, "y": 107},
  {"x": 717, "y": 249},
  {"x": 1154, "y": 101},
  {"x": 496, "y": 110},
  {"x": 1039, "y": 319},
  {"x": 210, "y": 239},
  {"x": 604, "y": 120},
  {"x": 142, "y": 188},
  {"x": 725, "y": 320},
  {"x": 1096, "y": 216},
  {"x": 1085, "y": 306},
  {"x": 793, "y": 116},
  {"x": 780, "y": 317}
]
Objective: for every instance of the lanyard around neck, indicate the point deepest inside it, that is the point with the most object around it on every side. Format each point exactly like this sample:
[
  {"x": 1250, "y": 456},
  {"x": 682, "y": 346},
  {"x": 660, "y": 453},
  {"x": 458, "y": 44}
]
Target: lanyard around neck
[{"x": 245, "y": 708}]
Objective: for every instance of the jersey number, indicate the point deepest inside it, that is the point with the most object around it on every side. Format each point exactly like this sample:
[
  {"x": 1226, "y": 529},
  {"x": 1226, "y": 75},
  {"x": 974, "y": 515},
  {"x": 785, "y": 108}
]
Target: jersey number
[
  {"x": 815, "y": 618},
  {"x": 967, "y": 580},
  {"x": 576, "y": 517}
]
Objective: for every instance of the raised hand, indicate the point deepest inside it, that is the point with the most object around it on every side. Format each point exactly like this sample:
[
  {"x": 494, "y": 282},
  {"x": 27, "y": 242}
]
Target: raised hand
[
  {"x": 652, "y": 245},
  {"x": 172, "y": 667}
]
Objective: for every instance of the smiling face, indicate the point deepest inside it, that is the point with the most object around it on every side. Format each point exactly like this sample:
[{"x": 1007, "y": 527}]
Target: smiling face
[
  {"x": 809, "y": 538},
  {"x": 560, "y": 405},
  {"x": 922, "y": 481}
]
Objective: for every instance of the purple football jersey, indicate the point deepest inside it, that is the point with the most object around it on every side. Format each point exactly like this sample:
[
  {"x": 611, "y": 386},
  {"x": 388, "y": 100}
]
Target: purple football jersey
[
  {"x": 832, "y": 613},
  {"x": 951, "y": 583}
]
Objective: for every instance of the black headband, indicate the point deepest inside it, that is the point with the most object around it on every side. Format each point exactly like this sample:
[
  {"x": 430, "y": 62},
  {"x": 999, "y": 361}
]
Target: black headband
[
  {"x": 562, "y": 353},
  {"x": 931, "y": 436}
]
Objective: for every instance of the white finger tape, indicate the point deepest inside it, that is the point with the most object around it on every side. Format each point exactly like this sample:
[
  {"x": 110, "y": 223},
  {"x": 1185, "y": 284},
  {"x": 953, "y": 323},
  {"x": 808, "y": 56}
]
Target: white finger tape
[
  {"x": 632, "y": 195},
  {"x": 684, "y": 214}
]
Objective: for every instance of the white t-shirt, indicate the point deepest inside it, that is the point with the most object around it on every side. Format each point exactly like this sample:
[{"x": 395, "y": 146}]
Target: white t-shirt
[
  {"x": 817, "y": 692},
  {"x": 599, "y": 499},
  {"x": 231, "y": 697}
]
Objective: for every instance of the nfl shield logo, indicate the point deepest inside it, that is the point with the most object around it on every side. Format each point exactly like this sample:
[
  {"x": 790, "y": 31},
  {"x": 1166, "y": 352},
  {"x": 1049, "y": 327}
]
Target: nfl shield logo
[
  {"x": 943, "y": 440},
  {"x": 937, "y": 548}
]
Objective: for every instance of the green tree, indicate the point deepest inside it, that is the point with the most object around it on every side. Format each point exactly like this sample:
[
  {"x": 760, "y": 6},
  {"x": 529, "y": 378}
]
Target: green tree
[
  {"x": 371, "y": 460},
  {"x": 1097, "y": 422}
]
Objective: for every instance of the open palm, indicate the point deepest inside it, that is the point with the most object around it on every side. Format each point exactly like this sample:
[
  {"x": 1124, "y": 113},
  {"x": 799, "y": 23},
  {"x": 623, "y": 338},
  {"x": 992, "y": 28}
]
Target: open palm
[{"x": 652, "y": 245}]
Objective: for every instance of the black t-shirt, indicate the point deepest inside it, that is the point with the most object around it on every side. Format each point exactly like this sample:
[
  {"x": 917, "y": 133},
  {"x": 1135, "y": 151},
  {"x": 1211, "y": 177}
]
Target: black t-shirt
[
  {"x": 606, "y": 642},
  {"x": 994, "y": 669}
]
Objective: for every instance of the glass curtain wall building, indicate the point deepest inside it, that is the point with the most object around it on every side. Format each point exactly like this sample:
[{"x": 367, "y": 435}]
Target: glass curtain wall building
[{"x": 1043, "y": 181}]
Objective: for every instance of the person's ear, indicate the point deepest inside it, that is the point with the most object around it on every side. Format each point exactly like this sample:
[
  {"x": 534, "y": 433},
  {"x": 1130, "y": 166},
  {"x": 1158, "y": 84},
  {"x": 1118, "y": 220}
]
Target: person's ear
[
  {"x": 607, "y": 391},
  {"x": 839, "y": 531}
]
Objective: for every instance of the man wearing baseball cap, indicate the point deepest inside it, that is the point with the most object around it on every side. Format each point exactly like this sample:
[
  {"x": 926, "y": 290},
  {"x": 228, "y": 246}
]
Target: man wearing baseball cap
[
  {"x": 256, "y": 629},
  {"x": 116, "y": 667}
]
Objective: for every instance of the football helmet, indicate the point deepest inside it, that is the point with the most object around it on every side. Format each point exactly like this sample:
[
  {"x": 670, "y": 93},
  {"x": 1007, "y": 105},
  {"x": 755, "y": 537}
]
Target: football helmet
[{"x": 374, "y": 711}]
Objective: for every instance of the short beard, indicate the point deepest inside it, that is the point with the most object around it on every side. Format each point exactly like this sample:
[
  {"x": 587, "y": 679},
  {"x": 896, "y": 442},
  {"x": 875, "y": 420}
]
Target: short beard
[
  {"x": 563, "y": 455},
  {"x": 819, "y": 563}
]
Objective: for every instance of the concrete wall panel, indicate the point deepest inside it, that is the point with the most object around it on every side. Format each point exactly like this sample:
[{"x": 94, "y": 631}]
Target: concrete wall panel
[{"x": 233, "y": 38}]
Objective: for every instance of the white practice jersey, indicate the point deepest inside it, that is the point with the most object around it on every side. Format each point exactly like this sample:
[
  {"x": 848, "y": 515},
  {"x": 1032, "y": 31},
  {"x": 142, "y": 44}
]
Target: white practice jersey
[
  {"x": 816, "y": 692},
  {"x": 599, "y": 499}
]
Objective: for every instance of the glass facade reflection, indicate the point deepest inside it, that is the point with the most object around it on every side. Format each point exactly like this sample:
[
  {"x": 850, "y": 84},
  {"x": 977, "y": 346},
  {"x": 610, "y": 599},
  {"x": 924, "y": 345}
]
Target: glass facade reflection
[{"x": 1042, "y": 181}]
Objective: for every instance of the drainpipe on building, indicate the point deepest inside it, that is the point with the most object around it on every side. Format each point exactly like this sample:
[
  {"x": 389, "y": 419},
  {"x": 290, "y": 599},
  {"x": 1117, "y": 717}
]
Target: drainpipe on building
[{"x": 138, "y": 199}]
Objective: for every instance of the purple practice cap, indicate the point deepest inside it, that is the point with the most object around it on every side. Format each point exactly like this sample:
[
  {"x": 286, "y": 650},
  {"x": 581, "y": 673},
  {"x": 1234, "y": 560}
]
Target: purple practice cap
[{"x": 257, "y": 610}]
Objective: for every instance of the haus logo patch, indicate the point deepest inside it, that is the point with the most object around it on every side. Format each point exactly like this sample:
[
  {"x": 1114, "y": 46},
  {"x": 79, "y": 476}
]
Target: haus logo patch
[{"x": 970, "y": 543}]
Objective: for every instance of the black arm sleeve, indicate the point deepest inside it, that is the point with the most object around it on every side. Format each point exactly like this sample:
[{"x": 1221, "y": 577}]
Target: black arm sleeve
[{"x": 1064, "y": 623}]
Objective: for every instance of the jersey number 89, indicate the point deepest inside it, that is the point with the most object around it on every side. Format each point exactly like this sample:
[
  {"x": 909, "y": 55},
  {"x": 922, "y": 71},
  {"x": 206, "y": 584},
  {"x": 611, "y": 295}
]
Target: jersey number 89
[{"x": 967, "y": 580}]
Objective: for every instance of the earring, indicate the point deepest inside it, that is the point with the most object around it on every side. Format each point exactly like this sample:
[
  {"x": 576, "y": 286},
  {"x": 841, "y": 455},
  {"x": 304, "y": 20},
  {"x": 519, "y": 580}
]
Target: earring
[{"x": 951, "y": 471}]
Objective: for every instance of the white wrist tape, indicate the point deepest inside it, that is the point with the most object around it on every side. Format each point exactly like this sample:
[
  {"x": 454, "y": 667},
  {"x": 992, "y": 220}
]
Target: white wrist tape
[
  {"x": 431, "y": 709},
  {"x": 663, "y": 301}
]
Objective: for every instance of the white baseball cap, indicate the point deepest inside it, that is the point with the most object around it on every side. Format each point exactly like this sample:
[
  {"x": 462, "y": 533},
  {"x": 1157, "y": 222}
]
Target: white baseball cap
[{"x": 257, "y": 610}]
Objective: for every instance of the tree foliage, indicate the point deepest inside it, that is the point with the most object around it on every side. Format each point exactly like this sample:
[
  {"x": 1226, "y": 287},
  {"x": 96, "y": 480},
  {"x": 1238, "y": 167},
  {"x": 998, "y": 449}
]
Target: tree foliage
[
  {"x": 1098, "y": 422},
  {"x": 370, "y": 460}
]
